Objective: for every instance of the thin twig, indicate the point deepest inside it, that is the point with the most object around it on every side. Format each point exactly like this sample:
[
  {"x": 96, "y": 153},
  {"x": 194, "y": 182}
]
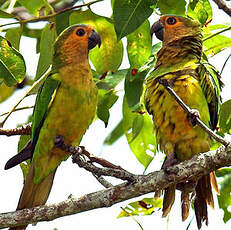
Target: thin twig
[
  {"x": 223, "y": 67},
  {"x": 23, "y": 130},
  {"x": 18, "y": 109},
  {"x": 102, "y": 181},
  {"x": 44, "y": 18},
  {"x": 215, "y": 34},
  {"x": 78, "y": 156},
  {"x": 222, "y": 5},
  {"x": 189, "y": 111},
  {"x": 24, "y": 96}
]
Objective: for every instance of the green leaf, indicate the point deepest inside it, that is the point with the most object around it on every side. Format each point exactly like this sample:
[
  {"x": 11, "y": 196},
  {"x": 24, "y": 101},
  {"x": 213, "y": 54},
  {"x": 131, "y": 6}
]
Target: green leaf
[
  {"x": 5, "y": 91},
  {"x": 23, "y": 140},
  {"x": 109, "y": 56},
  {"x": 106, "y": 99},
  {"x": 172, "y": 7},
  {"x": 225, "y": 117},
  {"x": 137, "y": 126},
  {"x": 139, "y": 45},
  {"x": 150, "y": 63},
  {"x": 115, "y": 134},
  {"x": 46, "y": 49},
  {"x": 144, "y": 145},
  {"x": 14, "y": 35},
  {"x": 224, "y": 199},
  {"x": 200, "y": 10},
  {"x": 35, "y": 6},
  {"x": 62, "y": 21},
  {"x": 4, "y": 14},
  {"x": 112, "y": 79},
  {"x": 143, "y": 207},
  {"x": 223, "y": 172},
  {"x": 12, "y": 64},
  {"x": 134, "y": 87},
  {"x": 129, "y": 15}
]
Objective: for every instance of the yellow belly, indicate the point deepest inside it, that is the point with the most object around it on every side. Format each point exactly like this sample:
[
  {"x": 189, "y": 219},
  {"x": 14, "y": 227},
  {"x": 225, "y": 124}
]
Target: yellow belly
[
  {"x": 71, "y": 113},
  {"x": 173, "y": 130}
]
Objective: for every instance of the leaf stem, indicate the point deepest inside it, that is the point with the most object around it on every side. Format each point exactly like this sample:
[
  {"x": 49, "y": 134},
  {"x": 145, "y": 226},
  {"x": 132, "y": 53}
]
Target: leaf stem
[
  {"x": 215, "y": 34},
  {"x": 44, "y": 18},
  {"x": 24, "y": 96}
]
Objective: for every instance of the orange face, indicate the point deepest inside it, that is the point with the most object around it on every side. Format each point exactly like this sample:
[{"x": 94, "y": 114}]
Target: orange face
[
  {"x": 81, "y": 33},
  {"x": 171, "y": 22}
]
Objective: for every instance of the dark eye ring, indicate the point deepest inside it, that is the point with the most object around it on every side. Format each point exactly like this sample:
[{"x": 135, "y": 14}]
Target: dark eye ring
[
  {"x": 80, "y": 32},
  {"x": 171, "y": 21}
]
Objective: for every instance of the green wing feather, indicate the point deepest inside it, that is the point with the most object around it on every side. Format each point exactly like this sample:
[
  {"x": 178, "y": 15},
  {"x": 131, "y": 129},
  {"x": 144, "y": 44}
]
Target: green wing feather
[
  {"x": 43, "y": 101},
  {"x": 211, "y": 85}
]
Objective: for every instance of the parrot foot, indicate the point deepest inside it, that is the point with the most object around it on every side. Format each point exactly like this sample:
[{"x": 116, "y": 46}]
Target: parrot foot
[
  {"x": 193, "y": 115},
  {"x": 169, "y": 161},
  {"x": 187, "y": 187},
  {"x": 59, "y": 141}
]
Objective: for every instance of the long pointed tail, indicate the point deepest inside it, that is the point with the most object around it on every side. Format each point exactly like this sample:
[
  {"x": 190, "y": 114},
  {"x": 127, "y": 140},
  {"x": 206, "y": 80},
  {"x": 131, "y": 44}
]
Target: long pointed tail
[
  {"x": 34, "y": 194},
  {"x": 204, "y": 196}
]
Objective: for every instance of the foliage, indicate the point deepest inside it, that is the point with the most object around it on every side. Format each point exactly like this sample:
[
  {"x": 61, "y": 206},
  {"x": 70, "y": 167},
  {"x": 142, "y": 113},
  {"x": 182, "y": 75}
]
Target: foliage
[{"x": 130, "y": 21}]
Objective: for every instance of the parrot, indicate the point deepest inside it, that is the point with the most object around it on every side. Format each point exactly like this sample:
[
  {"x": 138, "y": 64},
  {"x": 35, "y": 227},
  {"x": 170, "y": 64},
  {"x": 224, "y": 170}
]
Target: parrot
[
  {"x": 66, "y": 106},
  {"x": 198, "y": 84}
]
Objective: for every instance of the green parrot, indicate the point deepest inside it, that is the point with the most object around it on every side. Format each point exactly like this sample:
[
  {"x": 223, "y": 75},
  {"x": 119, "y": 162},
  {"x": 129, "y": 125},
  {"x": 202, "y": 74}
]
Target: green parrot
[
  {"x": 66, "y": 106},
  {"x": 198, "y": 84}
]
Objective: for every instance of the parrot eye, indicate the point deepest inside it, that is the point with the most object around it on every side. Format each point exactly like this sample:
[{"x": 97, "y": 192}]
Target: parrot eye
[
  {"x": 171, "y": 21},
  {"x": 80, "y": 32}
]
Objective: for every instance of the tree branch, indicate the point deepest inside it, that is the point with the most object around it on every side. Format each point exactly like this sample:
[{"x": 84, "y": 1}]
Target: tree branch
[
  {"x": 222, "y": 5},
  {"x": 198, "y": 166},
  {"x": 23, "y": 130}
]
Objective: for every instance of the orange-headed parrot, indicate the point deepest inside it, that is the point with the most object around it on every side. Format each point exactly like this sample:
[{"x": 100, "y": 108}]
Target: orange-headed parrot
[
  {"x": 66, "y": 106},
  {"x": 198, "y": 84}
]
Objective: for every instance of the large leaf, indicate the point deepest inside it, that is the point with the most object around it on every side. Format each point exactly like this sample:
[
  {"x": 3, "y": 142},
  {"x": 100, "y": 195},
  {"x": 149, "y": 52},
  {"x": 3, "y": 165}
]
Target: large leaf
[
  {"x": 115, "y": 134},
  {"x": 12, "y": 64},
  {"x": 134, "y": 86},
  {"x": 106, "y": 99},
  {"x": 35, "y": 6},
  {"x": 4, "y": 14},
  {"x": 140, "y": 136},
  {"x": 109, "y": 56},
  {"x": 224, "y": 200},
  {"x": 172, "y": 7},
  {"x": 112, "y": 79},
  {"x": 129, "y": 15},
  {"x": 143, "y": 207},
  {"x": 139, "y": 45},
  {"x": 14, "y": 35},
  {"x": 5, "y": 91},
  {"x": 46, "y": 49},
  {"x": 216, "y": 44},
  {"x": 225, "y": 117},
  {"x": 200, "y": 10}
]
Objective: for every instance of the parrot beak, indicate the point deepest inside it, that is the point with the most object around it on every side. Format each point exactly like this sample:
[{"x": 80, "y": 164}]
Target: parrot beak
[
  {"x": 93, "y": 40},
  {"x": 158, "y": 29}
]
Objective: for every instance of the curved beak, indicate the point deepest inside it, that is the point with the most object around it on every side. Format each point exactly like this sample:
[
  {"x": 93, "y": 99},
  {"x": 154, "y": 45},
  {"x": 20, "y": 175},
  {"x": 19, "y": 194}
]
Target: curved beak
[
  {"x": 158, "y": 29},
  {"x": 93, "y": 40}
]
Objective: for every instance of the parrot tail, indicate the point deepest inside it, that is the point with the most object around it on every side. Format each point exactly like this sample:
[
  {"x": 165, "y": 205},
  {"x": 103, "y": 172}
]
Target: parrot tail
[
  {"x": 169, "y": 198},
  {"x": 34, "y": 194},
  {"x": 204, "y": 196}
]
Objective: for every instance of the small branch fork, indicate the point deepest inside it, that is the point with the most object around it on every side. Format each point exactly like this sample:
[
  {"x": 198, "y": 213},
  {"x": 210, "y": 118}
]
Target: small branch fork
[
  {"x": 22, "y": 130},
  {"x": 79, "y": 155},
  {"x": 192, "y": 114}
]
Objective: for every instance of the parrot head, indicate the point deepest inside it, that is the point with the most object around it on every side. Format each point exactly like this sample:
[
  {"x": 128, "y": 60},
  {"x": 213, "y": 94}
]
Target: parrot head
[
  {"x": 73, "y": 44},
  {"x": 172, "y": 27}
]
